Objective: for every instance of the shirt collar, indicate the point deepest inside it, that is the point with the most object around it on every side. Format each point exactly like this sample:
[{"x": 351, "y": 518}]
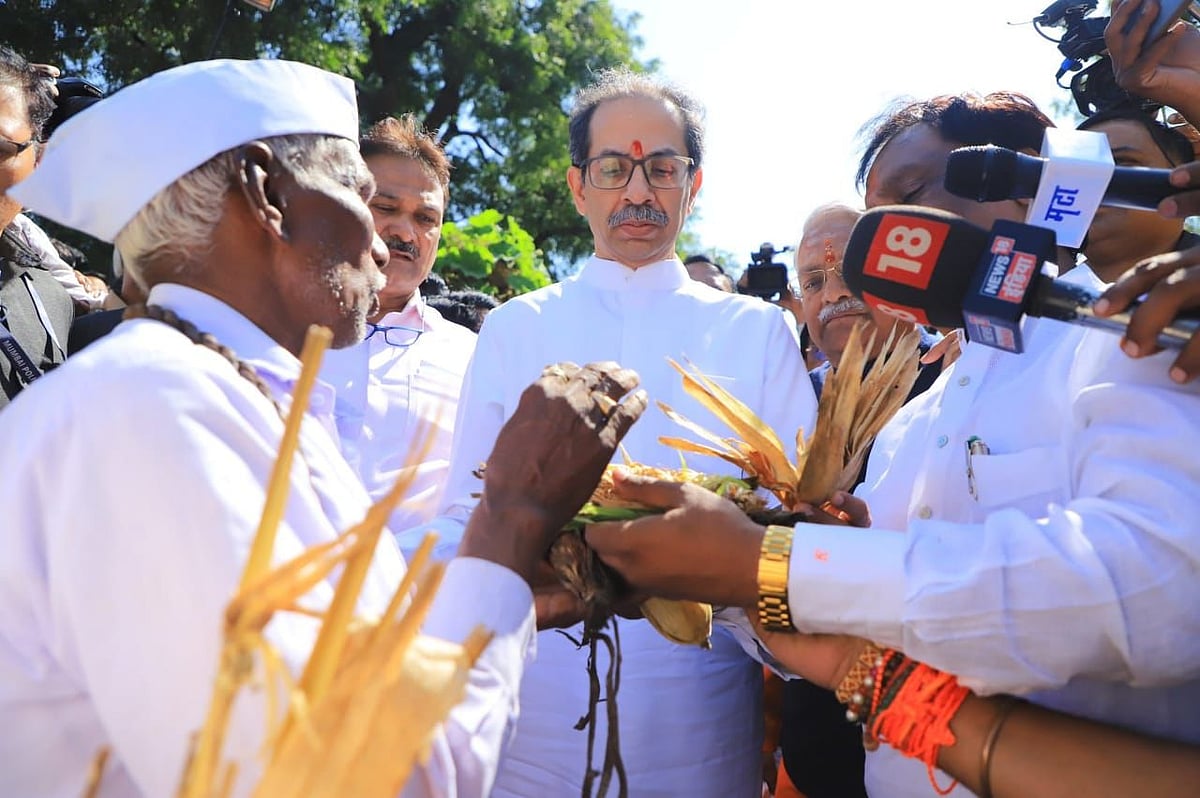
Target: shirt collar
[
  {"x": 665, "y": 275},
  {"x": 412, "y": 314},
  {"x": 270, "y": 359}
]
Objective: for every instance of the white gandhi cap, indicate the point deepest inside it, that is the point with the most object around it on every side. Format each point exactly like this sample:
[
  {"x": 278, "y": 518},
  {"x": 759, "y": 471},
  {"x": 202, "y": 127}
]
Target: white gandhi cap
[{"x": 104, "y": 165}]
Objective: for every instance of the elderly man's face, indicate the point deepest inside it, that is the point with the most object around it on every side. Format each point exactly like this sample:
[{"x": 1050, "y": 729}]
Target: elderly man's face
[
  {"x": 407, "y": 207},
  {"x": 334, "y": 233},
  {"x": 830, "y": 310},
  {"x": 14, "y": 128},
  {"x": 636, "y": 225}
]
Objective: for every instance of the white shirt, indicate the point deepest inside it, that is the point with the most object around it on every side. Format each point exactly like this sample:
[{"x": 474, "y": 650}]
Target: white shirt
[
  {"x": 1072, "y": 577},
  {"x": 134, "y": 480},
  {"x": 691, "y": 720},
  {"x": 389, "y": 397}
]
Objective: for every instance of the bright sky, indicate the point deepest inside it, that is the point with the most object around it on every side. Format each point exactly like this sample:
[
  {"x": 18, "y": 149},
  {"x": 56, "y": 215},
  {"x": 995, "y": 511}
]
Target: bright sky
[{"x": 788, "y": 84}]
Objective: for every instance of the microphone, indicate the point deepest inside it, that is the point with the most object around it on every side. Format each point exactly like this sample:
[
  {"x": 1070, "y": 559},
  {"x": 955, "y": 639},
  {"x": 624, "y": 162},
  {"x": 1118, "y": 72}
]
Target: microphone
[
  {"x": 929, "y": 267},
  {"x": 989, "y": 174}
]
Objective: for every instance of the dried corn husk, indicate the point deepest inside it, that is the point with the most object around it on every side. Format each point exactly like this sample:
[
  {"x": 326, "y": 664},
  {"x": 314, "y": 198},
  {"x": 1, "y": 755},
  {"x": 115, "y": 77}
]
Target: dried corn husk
[{"x": 852, "y": 410}]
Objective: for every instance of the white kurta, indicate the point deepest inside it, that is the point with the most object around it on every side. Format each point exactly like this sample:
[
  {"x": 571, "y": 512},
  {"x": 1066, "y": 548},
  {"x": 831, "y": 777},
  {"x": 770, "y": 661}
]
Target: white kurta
[
  {"x": 134, "y": 479},
  {"x": 390, "y": 397},
  {"x": 1072, "y": 573},
  {"x": 691, "y": 722}
]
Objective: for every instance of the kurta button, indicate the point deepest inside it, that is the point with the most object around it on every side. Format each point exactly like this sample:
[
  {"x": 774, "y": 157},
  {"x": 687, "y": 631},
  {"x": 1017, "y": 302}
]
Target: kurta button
[
  {"x": 964, "y": 381},
  {"x": 942, "y": 441},
  {"x": 925, "y": 513}
]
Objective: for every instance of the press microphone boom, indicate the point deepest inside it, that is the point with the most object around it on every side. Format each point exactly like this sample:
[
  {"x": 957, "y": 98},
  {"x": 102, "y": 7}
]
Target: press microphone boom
[
  {"x": 930, "y": 267},
  {"x": 990, "y": 174}
]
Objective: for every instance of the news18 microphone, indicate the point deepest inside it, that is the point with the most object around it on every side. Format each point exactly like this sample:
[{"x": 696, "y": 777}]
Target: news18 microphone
[
  {"x": 930, "y": 267},
  {"x": 990, "y": 174}
]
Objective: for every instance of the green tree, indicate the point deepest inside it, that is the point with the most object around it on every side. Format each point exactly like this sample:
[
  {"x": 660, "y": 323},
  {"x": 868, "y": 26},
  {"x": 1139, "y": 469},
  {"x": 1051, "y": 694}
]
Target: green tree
[
  {"x": 491, "y": 76},
  {"x": 490, "y": 252}
]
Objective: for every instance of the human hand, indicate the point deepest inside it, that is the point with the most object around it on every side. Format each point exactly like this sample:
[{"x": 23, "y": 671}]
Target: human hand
[
  {"x": 821, "y": 659},
  {"x": 1167, "y": 70},
  {"x": 947, "y": 350},
  {"x": 842, "y": 509},
  {"x": 703, "y": 548},
  {"x": 555, "y": 606},
  {"x": 1172, "y": 284},
  {"x": 1185, "y": 203},
  {"x": 50, "y": 74},
  {"x": 548, "y": 459}
]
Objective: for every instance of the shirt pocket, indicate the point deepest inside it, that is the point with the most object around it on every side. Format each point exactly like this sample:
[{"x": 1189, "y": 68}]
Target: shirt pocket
[{"x": 1028, "y": 480}]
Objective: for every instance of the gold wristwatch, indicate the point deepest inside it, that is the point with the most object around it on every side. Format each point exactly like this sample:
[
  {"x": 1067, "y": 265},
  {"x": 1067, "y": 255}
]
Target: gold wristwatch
[{"x": 773, "y": 612}]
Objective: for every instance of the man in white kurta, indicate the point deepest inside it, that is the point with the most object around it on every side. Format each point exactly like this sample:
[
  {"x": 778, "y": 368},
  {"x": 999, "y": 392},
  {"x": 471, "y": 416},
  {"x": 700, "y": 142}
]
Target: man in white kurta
[
  {"x": 1064, "y": 568},
  {"x": 135, "y": 475},
  {"x": 690, "y": 719},
  {"x": 402, "y": 383},
  {"x": 394, "y": 388}
]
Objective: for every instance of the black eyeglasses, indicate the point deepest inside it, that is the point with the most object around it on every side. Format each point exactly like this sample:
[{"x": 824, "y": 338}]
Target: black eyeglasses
[
  {"x": 11, "y": 149},
  {"x": 395, "y": 336},
  {"x": 610, "y": 172}
]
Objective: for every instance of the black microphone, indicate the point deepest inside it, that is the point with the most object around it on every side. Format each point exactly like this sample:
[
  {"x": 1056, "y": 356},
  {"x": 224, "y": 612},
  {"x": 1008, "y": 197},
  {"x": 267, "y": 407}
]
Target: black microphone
[
  {"x": 930, "y": 267},
  {"x": 989, "y": 174}
]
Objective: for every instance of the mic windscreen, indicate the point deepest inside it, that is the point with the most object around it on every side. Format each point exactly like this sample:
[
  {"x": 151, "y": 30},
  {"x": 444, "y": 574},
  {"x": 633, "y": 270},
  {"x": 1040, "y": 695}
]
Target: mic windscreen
[
  {"x": 983, "y": 174},
  {"x": 914, "y": 263}
]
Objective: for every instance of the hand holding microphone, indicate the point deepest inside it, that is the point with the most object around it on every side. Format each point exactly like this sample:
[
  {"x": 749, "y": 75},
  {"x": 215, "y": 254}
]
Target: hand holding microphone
[{"x": 1171, "y": 283}]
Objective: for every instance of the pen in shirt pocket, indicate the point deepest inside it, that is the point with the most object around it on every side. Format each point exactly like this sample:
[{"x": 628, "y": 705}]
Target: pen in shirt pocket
[{"x": 975, "y": 446}]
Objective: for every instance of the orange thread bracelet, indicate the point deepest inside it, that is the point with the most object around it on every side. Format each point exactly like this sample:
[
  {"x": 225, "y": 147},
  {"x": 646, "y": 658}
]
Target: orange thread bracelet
[{"x": 917, "y": 721}]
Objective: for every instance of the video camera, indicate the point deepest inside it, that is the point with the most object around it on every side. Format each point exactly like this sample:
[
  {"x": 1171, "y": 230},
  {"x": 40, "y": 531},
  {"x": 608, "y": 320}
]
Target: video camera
[
  {"x": 1094, "y": 88},
  {"x": 74, "y": 95},
  {"x": 765, "y": 278}
]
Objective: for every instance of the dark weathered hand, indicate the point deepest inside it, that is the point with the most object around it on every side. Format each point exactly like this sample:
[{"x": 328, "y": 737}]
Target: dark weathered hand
[
  {"x": 1172, "y": 285},
  {"x": 548, "y": 459}
]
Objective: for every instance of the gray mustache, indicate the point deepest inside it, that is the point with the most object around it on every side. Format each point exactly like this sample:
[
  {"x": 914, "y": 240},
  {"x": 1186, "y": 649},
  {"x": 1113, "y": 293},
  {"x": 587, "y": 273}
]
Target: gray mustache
[
  {"x": 406, "y": 247},
  {"x": 848, "y": 305},
  {"x": 638, "y": 213}
]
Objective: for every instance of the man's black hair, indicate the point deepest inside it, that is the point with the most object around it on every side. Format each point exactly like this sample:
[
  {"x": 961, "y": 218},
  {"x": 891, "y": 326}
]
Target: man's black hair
[{"x": 705, "y": 259}]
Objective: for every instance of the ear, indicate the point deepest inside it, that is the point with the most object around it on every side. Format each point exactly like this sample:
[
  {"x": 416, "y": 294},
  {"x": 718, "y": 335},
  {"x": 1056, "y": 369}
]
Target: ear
[
  {"x": 575, "y": 181},
  {"x": 697, "y": 179},
  {"x": 258, "y": 172}
]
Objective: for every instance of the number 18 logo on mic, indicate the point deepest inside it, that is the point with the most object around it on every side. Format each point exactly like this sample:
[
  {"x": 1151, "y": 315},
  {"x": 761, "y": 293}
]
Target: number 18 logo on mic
[{"x": 905, "y": 249}]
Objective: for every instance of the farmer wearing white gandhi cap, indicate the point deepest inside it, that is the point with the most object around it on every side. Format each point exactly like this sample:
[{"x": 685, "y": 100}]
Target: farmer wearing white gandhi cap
[{"x": 135, "y": 475}]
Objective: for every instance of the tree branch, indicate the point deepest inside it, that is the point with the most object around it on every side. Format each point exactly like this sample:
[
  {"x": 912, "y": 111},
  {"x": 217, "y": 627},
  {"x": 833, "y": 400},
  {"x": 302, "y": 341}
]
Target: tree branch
[{"x": 454, "y": 131}]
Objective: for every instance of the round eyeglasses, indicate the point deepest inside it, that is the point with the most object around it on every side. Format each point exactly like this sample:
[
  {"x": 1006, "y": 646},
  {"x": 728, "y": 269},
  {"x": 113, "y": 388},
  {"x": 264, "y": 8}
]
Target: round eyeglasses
[{"x": 611, "y": 172}]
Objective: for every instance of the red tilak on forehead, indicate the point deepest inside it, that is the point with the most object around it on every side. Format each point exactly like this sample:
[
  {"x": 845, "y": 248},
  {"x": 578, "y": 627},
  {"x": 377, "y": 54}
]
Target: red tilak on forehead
[
  {"x": 830, "y": 255},
  {"x": 636, "y": 149}
]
